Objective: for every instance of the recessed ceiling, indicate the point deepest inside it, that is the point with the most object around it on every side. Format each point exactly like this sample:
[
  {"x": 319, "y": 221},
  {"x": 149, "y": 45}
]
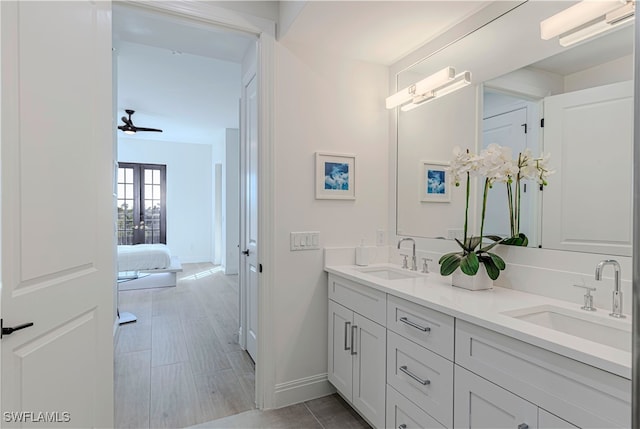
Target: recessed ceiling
[{"x": 380, "y": 32}]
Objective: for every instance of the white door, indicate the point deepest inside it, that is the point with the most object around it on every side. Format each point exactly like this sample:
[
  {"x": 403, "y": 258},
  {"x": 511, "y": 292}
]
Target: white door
[
  {"x": 340, "y": 365},
  {"x": 57, "y": 212},
  {"x": 506, "y": 129},
  {"x": 588, "y": 203},
  {"x": 369, "y": 369},
  {"x": 249, "y": 208},
  {"x": 480, "y": 404}
]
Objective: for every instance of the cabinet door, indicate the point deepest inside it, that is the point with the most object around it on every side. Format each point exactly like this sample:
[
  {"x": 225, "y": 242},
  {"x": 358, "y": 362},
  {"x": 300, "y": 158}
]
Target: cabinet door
[
  {"x": 369, "y": 370},
  {"x": 547, "y": 420},
  {"x": 340, "y": 358},
  {"x": 482, "y": 404}
]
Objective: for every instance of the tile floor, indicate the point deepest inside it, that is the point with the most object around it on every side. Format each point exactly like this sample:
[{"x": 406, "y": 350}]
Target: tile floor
[
  {"x": 329, "y": 412},
  {"x": 180, "y": 365}
]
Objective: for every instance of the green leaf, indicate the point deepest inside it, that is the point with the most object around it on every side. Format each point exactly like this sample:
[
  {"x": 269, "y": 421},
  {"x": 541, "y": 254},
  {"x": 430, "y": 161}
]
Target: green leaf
[
  {"x": 492, "y": 270},
  {"x": 449, "y": 263},
  {"x": 469, "y": 264},
  {"x": 498, "y": 261},
  {"x": 493, "y": 237},
  {"x": 472, "y": 243},
  {"x": 519, "y": 240},
  {"x": 465, "y": 248},
  {"x": 447, "y": 255}
]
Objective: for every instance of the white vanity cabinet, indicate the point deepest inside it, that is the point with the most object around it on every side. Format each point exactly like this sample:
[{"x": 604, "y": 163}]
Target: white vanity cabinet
[
  {"x": 579, "y": 395},
  {"x": 357, "y": 347},
  {"x": 405, "y": 365}
]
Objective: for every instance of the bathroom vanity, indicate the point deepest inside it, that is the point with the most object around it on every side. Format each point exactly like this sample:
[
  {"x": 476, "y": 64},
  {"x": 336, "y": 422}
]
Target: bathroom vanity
[{"x": 409, "y": 350}]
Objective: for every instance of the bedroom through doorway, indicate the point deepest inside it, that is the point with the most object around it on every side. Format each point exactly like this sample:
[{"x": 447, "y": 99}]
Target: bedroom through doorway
[{"x": 180, "y": 363}]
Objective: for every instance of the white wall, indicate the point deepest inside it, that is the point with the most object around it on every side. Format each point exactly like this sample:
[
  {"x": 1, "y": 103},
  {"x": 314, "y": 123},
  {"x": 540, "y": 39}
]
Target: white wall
[
  {"x": 189, "y": 192},
  {"x": 329, "y": 104},
  {"x": 231, "y": 202},
  {"x": 618, "y": 70}
]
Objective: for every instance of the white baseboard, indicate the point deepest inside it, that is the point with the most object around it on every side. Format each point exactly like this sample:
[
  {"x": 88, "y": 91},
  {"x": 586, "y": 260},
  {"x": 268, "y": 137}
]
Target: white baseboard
[{"x": 303, "y": 389}]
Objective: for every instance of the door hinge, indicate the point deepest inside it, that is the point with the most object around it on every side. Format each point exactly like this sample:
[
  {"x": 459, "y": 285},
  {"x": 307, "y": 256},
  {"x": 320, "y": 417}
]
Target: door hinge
[
  {"x": 525, "y": 127},
  {"x": 542, "y": 123},
  {"x": 259, "y": 268}
]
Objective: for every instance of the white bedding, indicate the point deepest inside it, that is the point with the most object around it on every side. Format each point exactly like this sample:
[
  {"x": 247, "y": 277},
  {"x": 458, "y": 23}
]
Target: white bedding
[{"x": 143, "y": 257}]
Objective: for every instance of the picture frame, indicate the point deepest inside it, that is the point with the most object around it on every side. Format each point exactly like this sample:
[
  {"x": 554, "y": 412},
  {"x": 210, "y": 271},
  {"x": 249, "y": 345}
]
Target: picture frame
[
  {"x": 335, "y": 176},
  {"x": 435, "y": 184}
]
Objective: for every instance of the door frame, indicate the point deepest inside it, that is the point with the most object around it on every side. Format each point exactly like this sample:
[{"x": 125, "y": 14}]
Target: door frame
[{"x": 264, "y": 30}]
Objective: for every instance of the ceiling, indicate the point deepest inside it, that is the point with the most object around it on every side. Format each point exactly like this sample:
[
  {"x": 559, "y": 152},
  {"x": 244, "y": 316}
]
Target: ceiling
[{"x": 184, "y": 77}]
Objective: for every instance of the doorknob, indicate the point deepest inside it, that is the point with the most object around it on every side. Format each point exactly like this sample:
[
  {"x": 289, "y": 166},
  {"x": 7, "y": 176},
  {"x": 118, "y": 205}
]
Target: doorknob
[
  {"x": 245, "y": 252},
  {"x": 10, "y": 330}
]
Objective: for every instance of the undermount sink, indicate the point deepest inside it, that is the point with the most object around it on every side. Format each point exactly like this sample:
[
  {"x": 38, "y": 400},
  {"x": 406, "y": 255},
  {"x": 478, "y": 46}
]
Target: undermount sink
[
  {"x": 389, "y": 273},
  {"x": 607, "y": 331}
]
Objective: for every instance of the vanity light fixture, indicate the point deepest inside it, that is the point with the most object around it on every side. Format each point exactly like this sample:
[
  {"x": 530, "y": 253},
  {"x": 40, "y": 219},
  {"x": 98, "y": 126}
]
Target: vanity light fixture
[
  {"x": 586, "y": 19},
  {"x": 438, "y": 84}
]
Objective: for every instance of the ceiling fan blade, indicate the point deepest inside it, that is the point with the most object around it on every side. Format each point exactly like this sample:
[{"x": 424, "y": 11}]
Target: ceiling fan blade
[{"x": 147, "y": 129}]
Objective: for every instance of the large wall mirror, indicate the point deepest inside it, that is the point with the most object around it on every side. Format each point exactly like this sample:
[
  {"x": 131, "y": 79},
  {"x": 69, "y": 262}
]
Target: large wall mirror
[{"x": 584, "y": 93}]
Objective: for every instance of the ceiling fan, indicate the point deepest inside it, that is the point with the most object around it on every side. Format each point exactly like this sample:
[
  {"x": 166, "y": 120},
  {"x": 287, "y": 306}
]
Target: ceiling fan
[{"x": 128, "y": 126}]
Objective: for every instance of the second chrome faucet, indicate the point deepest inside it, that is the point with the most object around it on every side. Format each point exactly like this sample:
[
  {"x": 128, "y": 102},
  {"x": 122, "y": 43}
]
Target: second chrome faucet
[
  {"x": 414, "y": 264},
  {"x": 616, "y": 307}
]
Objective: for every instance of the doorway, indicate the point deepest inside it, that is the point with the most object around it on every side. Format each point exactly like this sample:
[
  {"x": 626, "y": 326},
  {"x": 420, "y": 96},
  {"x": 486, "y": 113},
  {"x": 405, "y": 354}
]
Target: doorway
[{"x": 200, "y": 272}]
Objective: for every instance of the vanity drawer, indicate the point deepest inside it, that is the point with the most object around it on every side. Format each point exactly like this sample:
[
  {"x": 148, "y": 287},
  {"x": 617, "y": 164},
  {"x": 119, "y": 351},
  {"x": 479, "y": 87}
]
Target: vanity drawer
[
  {"x": 368, "y": 302},
  {"x": 429, "y": 328},
  {"x": 401, "y": 412},
  {"x": 579, "y": 393},
  {"x": 422, "y": 376}
]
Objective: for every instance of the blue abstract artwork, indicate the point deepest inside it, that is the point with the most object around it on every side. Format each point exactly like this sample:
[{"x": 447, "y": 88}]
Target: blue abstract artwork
[
  {"x": 436, "y": 182},
  {"x": 336, "y": 176}
]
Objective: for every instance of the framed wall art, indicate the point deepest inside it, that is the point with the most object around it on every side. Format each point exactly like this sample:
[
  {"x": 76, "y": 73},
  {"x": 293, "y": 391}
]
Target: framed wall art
[
  {"x": 335, "y": 176},
  {"x": 435, "y": 183}
]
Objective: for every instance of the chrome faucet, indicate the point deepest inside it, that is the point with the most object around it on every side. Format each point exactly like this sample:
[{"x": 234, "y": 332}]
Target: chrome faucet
[
  {"x": 616, "y": 309},
  {"x": 414, "y": 264}
]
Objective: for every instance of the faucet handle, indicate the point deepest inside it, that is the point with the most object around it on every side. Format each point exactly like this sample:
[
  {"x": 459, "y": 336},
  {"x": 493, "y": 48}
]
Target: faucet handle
[
  {"x": 588, "y": 298},
  {"x": 405, "y": 262},
  {"x": 425, "y": 265}
]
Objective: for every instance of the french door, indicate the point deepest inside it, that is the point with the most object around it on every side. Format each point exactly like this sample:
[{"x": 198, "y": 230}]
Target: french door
[{"x": 142, "y": 203}]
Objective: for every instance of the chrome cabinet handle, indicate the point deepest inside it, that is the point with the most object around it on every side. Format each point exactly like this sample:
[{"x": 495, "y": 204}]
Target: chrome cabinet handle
[
  {"x": 346, "y": 333},
  {"x": 523, "y": 426},
  {"x": 353, "y": 337},
  {"x": 402, "y": 426},
  {"x": 415, "y": 325},
  {"x": 404, "y": 369}
]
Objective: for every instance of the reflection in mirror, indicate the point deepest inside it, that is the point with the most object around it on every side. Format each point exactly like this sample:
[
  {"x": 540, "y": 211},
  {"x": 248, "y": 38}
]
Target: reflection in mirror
[{"x": 584, "y": 94}]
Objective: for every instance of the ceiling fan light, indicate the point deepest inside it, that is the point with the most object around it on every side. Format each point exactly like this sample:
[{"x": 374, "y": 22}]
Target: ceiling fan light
[{"x": 129, "y": 131}]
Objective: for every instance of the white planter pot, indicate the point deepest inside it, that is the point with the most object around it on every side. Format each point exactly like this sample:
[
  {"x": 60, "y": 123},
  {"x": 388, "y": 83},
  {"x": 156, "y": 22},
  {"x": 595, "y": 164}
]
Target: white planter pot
[{"x": 480, "y": 281}]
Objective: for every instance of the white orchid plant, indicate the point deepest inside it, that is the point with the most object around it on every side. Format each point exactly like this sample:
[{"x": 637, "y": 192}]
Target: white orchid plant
[{"x": 494, "y": 164}]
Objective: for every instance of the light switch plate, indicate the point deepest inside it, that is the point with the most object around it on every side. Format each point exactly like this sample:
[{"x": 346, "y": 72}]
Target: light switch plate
[{"x": 306, "y": 240}]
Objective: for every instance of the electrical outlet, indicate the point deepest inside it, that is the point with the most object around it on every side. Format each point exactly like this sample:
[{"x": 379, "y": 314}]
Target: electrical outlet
[{"x": 380, "y": 237}]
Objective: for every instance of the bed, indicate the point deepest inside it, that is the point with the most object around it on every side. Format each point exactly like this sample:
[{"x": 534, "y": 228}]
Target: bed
[{"x": 143, "y": 266}]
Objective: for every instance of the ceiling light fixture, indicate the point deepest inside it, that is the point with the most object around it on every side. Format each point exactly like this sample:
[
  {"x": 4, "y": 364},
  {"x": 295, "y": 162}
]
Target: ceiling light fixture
[
  {"x": 437, "y": 85},
  {"x": 586, "y": 19}
]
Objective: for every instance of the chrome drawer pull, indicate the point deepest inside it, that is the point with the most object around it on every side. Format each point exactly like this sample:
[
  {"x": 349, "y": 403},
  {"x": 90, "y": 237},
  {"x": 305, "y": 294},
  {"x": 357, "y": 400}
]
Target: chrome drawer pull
[
  {"x": 354, "y": 329},
  {"x": 402, "y": 426},
  {"x": 404, "y": 369},
  {"x": 346, "y": 332},
  {"x": 415, "y": 325},
  {"x": 523, "y": 426}
]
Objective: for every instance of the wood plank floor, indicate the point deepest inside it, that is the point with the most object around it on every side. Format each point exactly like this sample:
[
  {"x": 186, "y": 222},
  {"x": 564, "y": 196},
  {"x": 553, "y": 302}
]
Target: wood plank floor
[{"x": 180, "y": 364}]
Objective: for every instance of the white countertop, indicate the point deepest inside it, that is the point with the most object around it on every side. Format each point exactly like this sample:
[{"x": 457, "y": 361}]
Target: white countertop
[{"x": 485, "y": 308}]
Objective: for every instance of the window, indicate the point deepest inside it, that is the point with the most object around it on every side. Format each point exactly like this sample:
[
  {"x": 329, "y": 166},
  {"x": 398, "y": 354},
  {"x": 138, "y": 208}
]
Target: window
[{"x": 141, "y": 203}]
